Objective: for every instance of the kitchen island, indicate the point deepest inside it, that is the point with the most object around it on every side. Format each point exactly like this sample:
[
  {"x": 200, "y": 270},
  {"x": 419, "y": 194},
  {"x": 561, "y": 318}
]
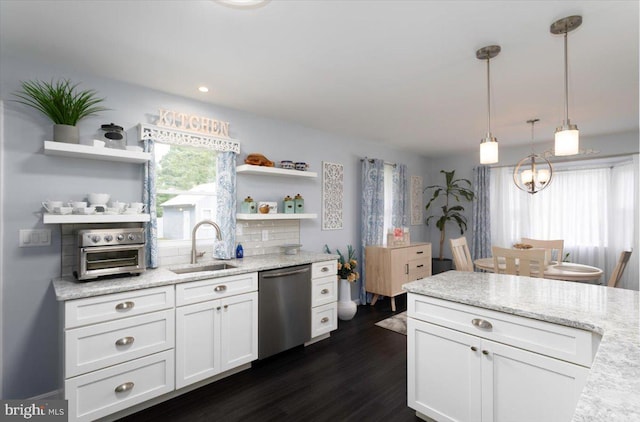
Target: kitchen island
[{"x": 611, "y": 369}]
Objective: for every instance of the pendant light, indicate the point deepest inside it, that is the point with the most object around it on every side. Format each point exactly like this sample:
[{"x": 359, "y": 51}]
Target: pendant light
[
  {"x": 489, "y": 144},
  {"x": 534, "y": 172},
  {"x": 567, "y": 136}
]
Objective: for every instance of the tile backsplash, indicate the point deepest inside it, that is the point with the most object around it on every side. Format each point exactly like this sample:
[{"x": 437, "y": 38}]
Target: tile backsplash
[{"x": 257, "y": 238}]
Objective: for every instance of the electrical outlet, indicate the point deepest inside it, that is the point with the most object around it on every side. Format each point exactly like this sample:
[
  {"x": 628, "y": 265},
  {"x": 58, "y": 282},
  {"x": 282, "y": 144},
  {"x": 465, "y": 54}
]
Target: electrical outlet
[
  {"x": 265, "y": 235},
  {"x": 31, "y": 238}
]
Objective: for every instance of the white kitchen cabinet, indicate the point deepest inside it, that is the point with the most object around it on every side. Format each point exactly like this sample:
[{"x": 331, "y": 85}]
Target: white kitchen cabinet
[
  {"x": 324, "y": 299},
  {"x": 118, "y": 351},
  {"x": 459, "y": 376},
  {"x": 217, "y": 335}
]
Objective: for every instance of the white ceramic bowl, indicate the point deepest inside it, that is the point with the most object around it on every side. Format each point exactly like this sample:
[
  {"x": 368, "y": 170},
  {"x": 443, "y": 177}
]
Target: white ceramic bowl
[{"x": 98, "y": 198}]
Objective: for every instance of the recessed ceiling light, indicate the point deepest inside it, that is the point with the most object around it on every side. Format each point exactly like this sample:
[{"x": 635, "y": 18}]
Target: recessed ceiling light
[
  {"x": 203, "y": 89},
  {"x": 243, "y": 4}
]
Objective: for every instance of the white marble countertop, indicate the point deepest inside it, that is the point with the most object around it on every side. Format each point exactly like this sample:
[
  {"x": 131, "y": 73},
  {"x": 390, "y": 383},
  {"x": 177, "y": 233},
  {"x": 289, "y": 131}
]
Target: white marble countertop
[
  {"x": 67, "y": 288},
  {"x": 612, "y": 391}
]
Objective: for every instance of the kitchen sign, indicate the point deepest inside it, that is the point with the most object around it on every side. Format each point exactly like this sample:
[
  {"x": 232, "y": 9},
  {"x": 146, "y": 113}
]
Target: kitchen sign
[{"x": 192, "y": 123}]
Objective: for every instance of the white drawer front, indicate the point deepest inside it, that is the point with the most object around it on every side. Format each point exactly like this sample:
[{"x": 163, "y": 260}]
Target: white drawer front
[
  {"x": 101, "y": 345},
  {"x": 559, "y": 341},
  {"x": 324, "y": 268},
  {"x": 215, "y": 288},
  {"x": 324, "y": 319},
  {"x": 96, "y": 394},
  {"x": 118, "y": 305},
  {"x": 324, "y": 290}
]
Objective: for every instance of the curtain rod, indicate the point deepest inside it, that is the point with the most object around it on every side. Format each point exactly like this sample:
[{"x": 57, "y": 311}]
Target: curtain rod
[
  {"x": 575, "y": 160},
  {"x": 386, "y": 163}
]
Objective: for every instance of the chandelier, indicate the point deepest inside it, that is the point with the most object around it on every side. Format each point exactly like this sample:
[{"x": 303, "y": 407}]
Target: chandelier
[{"x": 534, "y": 172}]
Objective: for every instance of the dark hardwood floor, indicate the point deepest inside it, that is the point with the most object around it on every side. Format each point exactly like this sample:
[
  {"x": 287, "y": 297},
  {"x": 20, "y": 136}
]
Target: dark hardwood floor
[{"x": 358, "y": 374}]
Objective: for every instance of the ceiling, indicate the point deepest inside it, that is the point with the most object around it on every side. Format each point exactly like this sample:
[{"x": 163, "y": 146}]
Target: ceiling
[{"x": 397, "y": 72}]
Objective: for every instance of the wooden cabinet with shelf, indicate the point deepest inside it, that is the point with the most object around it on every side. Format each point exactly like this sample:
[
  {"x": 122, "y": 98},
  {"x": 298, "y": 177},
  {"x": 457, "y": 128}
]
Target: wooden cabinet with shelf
[{"x": 388, "y": 268}]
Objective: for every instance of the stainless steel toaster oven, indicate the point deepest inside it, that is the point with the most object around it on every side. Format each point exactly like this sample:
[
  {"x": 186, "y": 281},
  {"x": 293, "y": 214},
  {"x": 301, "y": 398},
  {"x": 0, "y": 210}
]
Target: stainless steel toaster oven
[{"x": 102, "y": 252}]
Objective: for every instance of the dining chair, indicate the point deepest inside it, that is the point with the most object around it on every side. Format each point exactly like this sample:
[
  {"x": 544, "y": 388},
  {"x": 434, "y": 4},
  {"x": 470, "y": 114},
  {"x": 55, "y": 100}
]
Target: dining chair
[
  {"x": 616, "y": 275},
  {"x": 549, "y": 245},
  {"x": 530, "y": 262},
  {"x": 461, "y": 254}
]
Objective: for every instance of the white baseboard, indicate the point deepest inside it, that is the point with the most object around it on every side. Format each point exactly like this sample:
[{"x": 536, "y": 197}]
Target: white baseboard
[{"x": 51, "y": 395}]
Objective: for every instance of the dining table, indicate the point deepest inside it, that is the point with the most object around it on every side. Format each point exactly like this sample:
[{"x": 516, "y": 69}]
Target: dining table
[{"x": 567, "y": 271}]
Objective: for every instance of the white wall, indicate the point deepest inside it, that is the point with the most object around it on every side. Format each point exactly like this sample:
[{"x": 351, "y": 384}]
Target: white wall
[{"x": 30, "y": 336}]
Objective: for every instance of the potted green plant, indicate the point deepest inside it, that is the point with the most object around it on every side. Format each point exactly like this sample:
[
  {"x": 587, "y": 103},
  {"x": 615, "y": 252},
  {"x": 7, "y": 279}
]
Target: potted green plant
[
  {"x": 453, "y": 190},
  {"x": 63, "y": 103}
]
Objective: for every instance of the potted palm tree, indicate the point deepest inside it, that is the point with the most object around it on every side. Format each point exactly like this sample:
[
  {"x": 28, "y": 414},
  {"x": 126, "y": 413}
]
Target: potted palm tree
[
  {"x": 63, "y": 103},
  {"x": 453, "y": 190}
]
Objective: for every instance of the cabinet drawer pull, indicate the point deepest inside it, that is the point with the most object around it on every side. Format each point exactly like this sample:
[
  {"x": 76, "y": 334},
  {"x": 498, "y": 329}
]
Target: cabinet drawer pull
[
  {"x": 220, "y": 288},
  {"x": 325, "y": 319},
  {"x": 124, "y": 387},
  {"x": 125, "y": 341},
  {"x": 485, "y": 352},
  {"x": 218, "y": 308},
  {"x": 324, "y": 291},
  {"x": 125, "y": 306},
  {"x": 406, "y": 268},
  {"x": 474, "y": 348},
  {"x": 226, "y": 306},
  {"x": 324, "y": 269},
  {"x": 481, "y": 323},
  {"x": 420, "y": 266},
  {"x": 420, "y": 252}
]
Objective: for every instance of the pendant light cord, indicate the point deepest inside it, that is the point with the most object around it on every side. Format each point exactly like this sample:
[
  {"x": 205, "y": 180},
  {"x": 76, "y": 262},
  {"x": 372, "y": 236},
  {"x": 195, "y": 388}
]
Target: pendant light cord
[
  {"x": 566, "y": 79},
  {"x": 488, "y": 98}
]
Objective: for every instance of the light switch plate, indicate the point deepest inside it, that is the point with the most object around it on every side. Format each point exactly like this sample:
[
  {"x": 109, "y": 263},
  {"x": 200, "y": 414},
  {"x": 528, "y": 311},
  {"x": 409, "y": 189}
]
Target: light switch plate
[
  {"x": 265, "y": 235},
  {"x": 32, "y": 238}
]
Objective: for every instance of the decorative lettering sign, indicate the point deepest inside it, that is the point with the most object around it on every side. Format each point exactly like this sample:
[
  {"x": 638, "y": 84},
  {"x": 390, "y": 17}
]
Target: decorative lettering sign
[{"x": 191, "y": 123}]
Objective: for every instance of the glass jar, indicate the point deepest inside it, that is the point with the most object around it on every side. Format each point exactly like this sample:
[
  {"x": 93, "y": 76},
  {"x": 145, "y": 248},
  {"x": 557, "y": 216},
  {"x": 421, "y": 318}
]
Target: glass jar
[{"x": 113, "y": 136}]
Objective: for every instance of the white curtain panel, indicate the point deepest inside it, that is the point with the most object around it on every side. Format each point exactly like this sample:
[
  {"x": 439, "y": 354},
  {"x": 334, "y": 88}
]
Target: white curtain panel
[{"x": 590, "y": 208}]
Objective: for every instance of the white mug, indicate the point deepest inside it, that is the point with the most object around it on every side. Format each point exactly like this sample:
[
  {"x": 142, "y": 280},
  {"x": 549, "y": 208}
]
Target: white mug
[
  {"x": 120, "y": 206},
  {"x": 137, "y": 207},
  {"x": 77, "y": 204},
  {"x": 62, "y": 210},
  {"x": 52, "y": 205}
]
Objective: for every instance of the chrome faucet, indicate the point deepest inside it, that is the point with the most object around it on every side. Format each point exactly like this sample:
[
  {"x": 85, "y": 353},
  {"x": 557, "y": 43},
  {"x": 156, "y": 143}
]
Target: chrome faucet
[{"x": 194, "y": 252}]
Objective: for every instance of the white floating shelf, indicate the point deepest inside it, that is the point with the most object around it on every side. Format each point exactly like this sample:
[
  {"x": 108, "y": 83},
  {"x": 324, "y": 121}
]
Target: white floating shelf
[
  {"x": 94, "y": 218},
  {"x": 96, "y": 153},
  {"x": 273, "y": 171},
  {"x": 278, "y": 216}
]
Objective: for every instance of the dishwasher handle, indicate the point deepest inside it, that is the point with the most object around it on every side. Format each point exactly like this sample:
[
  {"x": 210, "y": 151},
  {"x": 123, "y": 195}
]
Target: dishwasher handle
[{"x": 285, "y": 273}]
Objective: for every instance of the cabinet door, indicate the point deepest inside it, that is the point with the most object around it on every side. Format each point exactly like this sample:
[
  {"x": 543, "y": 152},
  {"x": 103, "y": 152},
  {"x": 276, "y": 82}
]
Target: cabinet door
[
  {"x": 197, "y": 342},
  {"x": 443, "y": 372},
  {"x": 239, "y": 330},
  {"x": 399, "y": 270},
  {"x": 522, "y": 386}
]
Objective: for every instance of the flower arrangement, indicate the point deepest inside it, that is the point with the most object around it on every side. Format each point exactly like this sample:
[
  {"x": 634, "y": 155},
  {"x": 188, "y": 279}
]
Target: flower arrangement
[{"x": 346, "y": 265}]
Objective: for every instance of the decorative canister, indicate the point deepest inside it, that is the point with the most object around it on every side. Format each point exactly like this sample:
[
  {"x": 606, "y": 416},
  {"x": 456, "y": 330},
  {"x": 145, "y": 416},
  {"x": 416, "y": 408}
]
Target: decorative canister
[
  {"x": 248, "y": 206},
  {"x": 299, "y": 203},
  {"x": 289, "y": 205}
]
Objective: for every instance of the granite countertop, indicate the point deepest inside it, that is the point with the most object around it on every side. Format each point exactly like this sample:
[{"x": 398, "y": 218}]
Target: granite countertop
[
  {"x": 612, "y": 391},
  {"x": 67, "y": 288}
]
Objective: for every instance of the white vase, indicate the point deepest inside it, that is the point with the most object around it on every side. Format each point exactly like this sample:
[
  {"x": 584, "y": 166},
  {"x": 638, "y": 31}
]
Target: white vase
[{"x": 346, "y": 307}]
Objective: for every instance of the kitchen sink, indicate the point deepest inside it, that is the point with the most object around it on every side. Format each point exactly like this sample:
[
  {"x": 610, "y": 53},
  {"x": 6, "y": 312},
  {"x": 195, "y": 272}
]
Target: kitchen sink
[{"x": 209, "y": 267}]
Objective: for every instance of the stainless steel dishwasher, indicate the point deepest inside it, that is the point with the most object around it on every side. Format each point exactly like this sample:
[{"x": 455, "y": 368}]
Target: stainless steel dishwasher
[{"x": 284, "y": 309}]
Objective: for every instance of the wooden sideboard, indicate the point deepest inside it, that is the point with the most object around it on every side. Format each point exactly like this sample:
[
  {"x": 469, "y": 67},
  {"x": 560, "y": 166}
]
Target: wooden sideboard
[{"x": 388, "y": 268}]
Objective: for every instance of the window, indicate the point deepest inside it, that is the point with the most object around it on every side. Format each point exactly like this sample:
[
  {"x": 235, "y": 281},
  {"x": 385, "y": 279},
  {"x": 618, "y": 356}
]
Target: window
[
  {"x": 185, "y": 190},
  {"x": 590, "y": 207}
]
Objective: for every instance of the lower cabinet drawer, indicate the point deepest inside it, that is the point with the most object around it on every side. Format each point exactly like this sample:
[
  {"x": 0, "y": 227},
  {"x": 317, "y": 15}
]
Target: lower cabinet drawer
[
  {"x": 103, "y": 392},
  {"x": 215, "y": 288},
  {"x": 324, "y": 290},
  {"x": 110, "y": 343},
  {"x": 324, "y": 268},
  {"x": 419, "y": 268},
  {"x": 324, "y": 319},
  {"x": 558, "y": 341}
]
